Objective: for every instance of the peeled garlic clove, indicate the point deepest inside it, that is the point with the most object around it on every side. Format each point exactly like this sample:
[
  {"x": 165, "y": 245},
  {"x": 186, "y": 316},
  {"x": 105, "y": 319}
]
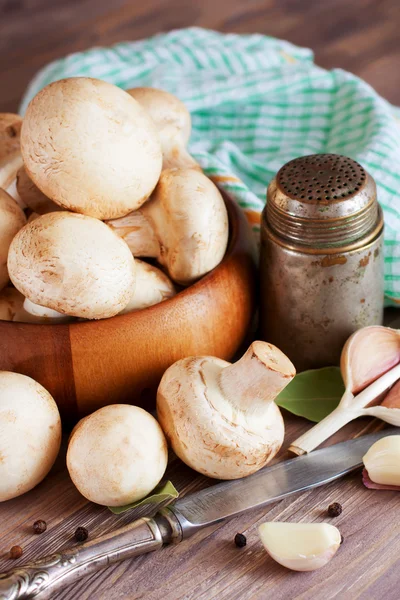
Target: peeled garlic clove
[
  {"x": 382, "y": 463},
  {"x": 300, "y": 546},
  {"x": 369, "y": 353}
]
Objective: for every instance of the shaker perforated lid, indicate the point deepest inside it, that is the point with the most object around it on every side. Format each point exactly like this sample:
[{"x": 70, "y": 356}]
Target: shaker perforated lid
[{"x": 323, "y": 200}]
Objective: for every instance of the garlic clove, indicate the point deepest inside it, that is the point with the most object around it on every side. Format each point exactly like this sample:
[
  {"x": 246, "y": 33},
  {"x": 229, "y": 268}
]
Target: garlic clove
[
  {"x": 369, "y": 353},
  {"x": 370, "y": 365},
  {"x": 300, "y": 546},
  {"x": 392, "y": 399},
  {"x": 382, "y": 462}
]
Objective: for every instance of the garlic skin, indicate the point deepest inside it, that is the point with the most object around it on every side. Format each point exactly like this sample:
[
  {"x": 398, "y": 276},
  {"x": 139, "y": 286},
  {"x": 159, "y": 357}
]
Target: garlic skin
[
  {"x": 382, "y": 461},
  {"x": 300, "y": 546},
  {"x": 370, "y": 365}
]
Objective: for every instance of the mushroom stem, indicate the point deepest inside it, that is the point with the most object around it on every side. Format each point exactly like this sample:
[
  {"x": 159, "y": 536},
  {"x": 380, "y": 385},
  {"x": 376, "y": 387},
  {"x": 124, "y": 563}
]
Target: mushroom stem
[
  {"x": 137, "y": 231},
  {"x": 257, "y": 378}
]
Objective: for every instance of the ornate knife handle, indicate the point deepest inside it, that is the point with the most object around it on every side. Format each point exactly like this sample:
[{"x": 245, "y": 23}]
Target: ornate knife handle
[{"x": 48, "y": 574}]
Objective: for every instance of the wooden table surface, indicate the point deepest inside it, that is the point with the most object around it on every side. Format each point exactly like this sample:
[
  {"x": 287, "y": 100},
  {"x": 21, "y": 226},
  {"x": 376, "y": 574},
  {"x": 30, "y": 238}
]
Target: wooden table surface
[{"x": 361, "y": 36}]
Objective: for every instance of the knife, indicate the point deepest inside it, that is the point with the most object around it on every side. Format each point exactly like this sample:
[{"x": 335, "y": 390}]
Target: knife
[{"x": 184, "y": 517}]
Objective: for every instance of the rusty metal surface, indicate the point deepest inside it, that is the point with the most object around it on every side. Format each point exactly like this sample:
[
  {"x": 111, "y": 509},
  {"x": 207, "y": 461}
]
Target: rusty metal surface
[{"x": 321, "y": 262}]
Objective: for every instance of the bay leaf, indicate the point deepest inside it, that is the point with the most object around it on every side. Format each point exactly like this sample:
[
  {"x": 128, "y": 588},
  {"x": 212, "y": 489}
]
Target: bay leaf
[
  {"x": 163, "y": 493},
  {"x": 313, "y": 394}
]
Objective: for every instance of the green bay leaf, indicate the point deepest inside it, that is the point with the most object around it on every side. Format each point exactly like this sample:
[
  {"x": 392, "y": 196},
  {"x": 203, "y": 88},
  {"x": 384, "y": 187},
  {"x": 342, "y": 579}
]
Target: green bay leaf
[
  {"x": 313, "y": 394},
  {"x": 161, "y": 494}
]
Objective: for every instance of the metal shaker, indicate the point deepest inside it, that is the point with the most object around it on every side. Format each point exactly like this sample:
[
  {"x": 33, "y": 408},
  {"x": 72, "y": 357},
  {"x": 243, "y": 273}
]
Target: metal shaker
[{"x": 321, "y": 261}]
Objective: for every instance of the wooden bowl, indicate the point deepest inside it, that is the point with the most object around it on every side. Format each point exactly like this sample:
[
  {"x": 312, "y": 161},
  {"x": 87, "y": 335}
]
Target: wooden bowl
[{"x": 90, "y": 364}]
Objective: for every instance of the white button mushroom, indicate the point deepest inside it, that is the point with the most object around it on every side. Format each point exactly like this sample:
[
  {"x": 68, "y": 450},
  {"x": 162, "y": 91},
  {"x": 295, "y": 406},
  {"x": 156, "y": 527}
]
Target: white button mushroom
[
  {"x": 220, "y": 418},
  {"x": 90, "y": 147},
  {"x": 184, "y": 225},
  {"x": 31, "y": 196},
  {"x": 14, "y": 307},
  {"x": 152, "y": 286},
  {"x": 10, "y": 154},
  {"x": 72, "y": 264},
  {"x": 300, "y": 546},
  {"x": 117, "y": 455},
  {"x": 173, "y": 123},
  {"x": 12, "y": 218},
  {"x": 30, "y": 434},
  {"x": 41, "y": 314}
]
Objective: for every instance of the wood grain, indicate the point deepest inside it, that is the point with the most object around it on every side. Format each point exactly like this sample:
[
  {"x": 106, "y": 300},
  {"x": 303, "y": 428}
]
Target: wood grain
[
  {"x": 360, "y": 36},
  {"x": 209, "y": 566},
  {"x": 122, "y": 359}
]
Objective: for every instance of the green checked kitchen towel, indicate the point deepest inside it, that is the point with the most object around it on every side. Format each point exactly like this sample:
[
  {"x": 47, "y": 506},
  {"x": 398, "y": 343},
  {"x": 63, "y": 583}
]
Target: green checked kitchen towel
[{"x": 257, "y": 102}]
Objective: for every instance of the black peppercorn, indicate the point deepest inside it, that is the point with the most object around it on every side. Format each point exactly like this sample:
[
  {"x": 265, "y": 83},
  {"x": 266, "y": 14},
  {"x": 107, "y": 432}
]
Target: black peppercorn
[
  {"x": 81, "y": 534},
  {"x": 16, "y": 552},
  {"x": 240, "y": 540},
  {"x": 335, "y": 509},
  {"x": 39, "y": 526}
]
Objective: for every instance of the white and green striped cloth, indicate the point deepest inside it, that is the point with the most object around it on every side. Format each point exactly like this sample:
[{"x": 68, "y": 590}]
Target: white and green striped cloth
[{"x": 257, "y": 102}]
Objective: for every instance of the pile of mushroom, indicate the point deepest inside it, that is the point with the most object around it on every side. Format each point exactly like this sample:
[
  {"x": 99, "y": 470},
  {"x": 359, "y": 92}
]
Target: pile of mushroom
[{"x": 96, "y": 177}]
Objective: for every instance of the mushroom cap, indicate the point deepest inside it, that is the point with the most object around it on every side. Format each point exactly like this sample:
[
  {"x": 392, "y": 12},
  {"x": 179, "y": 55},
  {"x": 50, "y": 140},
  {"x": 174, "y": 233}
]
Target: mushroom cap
[
  {"x": 30, "y": 434},
  {"x": 31, "y": 196},
  {"x": 205, "y": 431},
  {"x": 90, "y": 147},
  {"x": 11, "y": 303},
  {"x": 169, "y": 114},
  {"x": 10, "y": 154},
  {"x": 10, "y": 131},
  {"x": 152, "y": 286},
  {"x": 190, "y": 219},
  {"x": 117, "y": 455},
  {"x": 73, "y": 264},
  {"x": 12, "y": 218}
]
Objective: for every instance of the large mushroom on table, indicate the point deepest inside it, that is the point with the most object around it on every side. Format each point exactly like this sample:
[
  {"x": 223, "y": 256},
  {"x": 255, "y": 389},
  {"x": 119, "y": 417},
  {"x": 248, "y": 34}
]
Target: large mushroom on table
[
  {"x": 220, "y": 418},
  {"x": 30, "y": 434},
  {"x": 72, "y": 264},
  {"x": 12, "y": 218},
  {"x": 184, "y": 225},
  {"x": 173, "y": 123},
  {"x": 90, "y": 147},
  {"x": 10, "y": 154}
]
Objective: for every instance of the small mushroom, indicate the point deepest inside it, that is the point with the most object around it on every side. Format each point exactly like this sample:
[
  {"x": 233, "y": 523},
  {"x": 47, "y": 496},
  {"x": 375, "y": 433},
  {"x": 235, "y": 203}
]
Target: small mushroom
[
  {"x": 12, "y": 218},
  {"x": 221, "y": 419},
  {"x": 152, "y": 287},
  {"x": 30, "y": 434},
  {"x": 31, "y": 196},
  {"x": 14, "y": 307},
  {"x": 117, "y": 455},
  {"x": 90, "y": 147},
  {"x": 173, "y": 123},
  {"x": 184, "y": 225},
  {"x": 72, "y": 264},
  {"x": 10, "y": 153}
]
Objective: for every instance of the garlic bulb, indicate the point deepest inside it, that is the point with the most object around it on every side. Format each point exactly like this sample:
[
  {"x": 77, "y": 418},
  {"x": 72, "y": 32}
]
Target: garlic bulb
[
  {"x": 370, "y": 365},
  {"x": 382, "y": 464},
  {"x": 300, "y": 546}
]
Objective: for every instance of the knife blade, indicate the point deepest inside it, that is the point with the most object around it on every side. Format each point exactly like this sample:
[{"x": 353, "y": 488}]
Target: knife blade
[
  {"x": 228, "y": 499},
  {"x": 186, "y": 516}
]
